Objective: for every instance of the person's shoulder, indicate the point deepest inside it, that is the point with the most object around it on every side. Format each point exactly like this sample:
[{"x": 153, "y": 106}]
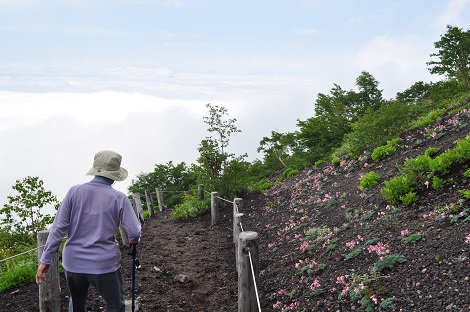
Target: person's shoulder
[
  {"x": 119, "y": 193},
  {"x": 74, "y": 188}
]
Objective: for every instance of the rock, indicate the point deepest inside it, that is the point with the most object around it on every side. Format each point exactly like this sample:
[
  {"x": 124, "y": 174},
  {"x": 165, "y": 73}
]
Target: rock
[{"x": 181, "y": 278}]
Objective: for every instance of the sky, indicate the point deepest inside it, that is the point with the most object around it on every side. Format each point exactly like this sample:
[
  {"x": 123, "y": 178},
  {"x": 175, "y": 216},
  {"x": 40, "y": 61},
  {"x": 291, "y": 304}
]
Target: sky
[{"x": 134, "y": 76}]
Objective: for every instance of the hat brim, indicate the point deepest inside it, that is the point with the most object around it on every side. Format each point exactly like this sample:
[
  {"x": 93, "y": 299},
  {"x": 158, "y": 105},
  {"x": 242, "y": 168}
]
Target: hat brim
[{"x": 119, "y": 175}]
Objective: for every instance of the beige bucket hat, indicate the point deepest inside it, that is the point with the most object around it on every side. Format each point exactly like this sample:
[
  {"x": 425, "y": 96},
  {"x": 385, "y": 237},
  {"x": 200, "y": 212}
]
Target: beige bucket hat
[{"x": 108, "y": 164}]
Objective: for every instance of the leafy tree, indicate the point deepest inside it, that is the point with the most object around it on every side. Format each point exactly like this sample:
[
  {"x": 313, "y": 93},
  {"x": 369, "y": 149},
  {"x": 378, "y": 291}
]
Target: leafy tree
[
  {"x": 334, "y": 116},
  {"x": 369, "y": 96},
  {"x": 173, "y": 179},
  {"x": 376, "y": 127},
  {"x": 275, "y": 149},
  {"x": 23, "y": 213},
  {"x": 418, "y": 92},
  {"x": 213, "y": 158},
  {"x": 454, "y": 56},
  {"x": 223, "y": 128}
]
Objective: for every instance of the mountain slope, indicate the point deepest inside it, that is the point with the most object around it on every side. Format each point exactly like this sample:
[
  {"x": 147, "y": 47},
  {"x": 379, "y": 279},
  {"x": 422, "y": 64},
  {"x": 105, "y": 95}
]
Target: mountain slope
[{"x": 320, "y": 235}]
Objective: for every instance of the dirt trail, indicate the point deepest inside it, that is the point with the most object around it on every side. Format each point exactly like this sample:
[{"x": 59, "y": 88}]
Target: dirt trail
[
  {"x": 195, "y": 249},
  {"x": 200, "y": 255}
]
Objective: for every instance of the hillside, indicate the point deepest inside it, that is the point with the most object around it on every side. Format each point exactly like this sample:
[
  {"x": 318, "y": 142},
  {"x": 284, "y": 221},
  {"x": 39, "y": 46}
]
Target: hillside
[
  {"x": 311, "y": 223},
  {"x": 320, "y": 236}
]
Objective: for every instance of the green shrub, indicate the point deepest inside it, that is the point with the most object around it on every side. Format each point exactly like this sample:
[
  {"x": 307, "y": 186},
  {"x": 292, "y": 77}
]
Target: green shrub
[
  {"x": 437, "y": 183},
  {"x": 259, "y": 186},
  {"x": 467, "y": 173},
  {"x": 387, "y": 303},
  {"x": 356, "y": 252},
  {"x": 417, "y": 168},
  {"x": 424, "y": 121},
  {"x": 465, "y": 193},
  {"x": 396, "y": 188},
  {"x": 431, "y": 151},
  {"x": 442, "y": 163},
  {"x": 191, "y": 207},
  {"x": 21, "y": 274},
  {"x": 289, "y": 172},
  {"x": 389, "y": 262},
  {"x": 409, "y": 198},
  {"x": 335, "y": 160},
  {"x": 382, "y": 151},
  {"x": 413, "y": 238},
  {"x": 370, "y": 180},
  {"x": 463, "y": 149},
  {"x": 319, "y": 163}
]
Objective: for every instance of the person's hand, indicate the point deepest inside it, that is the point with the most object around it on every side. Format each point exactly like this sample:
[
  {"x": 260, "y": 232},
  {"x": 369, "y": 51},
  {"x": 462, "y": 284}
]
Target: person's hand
[{"x": 43, "y": 268}]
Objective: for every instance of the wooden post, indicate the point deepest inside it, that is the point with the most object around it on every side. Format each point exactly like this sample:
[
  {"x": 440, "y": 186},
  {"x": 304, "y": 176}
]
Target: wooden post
[
  {"x": 214, "y": 208},
  {"x": 200, "y": 191},
  {"x": 148, "y": 199},
  {"x": 138, "y": 207},
  {"x": 124, "y": 238},
  {"x": 236, "y": 232},
  {"x": 248, "y": 249},
  {"x": 159, "y": 198},
  {"x": 237, "y": 205},
  {"x": 49, "y": 292}
]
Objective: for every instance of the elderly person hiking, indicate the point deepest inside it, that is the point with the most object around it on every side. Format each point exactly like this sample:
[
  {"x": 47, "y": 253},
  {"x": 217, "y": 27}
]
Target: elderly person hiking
[{"x": 90, "y": 215}]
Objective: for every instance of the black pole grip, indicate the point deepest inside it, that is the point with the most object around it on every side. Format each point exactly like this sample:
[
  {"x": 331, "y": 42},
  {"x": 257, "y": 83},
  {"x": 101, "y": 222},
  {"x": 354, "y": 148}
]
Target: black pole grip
[{"x": 133, "y": 252}]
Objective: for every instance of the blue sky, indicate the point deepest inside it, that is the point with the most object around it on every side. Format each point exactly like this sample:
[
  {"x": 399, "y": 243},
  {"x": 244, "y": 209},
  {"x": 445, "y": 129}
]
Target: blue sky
[{"x": 78, "y": 76}]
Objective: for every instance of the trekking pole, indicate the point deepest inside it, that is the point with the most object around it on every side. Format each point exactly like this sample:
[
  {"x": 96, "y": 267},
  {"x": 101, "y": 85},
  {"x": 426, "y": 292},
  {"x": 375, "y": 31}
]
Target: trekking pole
[{"x": 135, "y": 263}]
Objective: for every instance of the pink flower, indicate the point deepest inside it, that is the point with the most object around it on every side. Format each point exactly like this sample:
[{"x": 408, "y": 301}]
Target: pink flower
[
  {"x": 467, "y": 239},
  {"x": 379, "y": 248},
  {"x": 304, "y": 246},
  {"x": 341, "y": 279},
  {"x": 427, "y": 184},
  {"x": 404, "y": 232},
  {"x": 374, "y": 298},
  {"x": 351, "y": 244},
  {"x": 315, "y": 284}
]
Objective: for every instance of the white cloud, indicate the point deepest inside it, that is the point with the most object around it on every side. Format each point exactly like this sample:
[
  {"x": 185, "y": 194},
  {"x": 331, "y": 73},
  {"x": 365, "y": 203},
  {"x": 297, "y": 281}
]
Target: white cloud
[
  {"x": 451, "y": 15},
  {"x": 395, "y": 61}
]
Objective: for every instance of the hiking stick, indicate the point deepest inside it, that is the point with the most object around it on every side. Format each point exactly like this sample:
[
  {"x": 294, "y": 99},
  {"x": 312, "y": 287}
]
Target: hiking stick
[{"x": 133, "y": 254}]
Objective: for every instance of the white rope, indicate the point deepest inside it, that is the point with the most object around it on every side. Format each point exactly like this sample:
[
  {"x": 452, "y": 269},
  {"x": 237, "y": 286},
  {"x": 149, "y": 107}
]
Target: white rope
[
  {"x": 228, "y": 201},
  {"x": 254, "y": 281},
  {"x": 21, "y": 254}
]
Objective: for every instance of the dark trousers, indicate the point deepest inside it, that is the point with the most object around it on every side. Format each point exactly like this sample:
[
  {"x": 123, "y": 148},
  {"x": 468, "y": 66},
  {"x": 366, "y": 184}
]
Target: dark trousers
[{"x": 109, "y": 286}]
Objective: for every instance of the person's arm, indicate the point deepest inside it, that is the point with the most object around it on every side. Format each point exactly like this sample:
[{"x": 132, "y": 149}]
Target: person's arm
[
  {"x": 56, "y": 234},
  {"x": 130, "y": 222}
]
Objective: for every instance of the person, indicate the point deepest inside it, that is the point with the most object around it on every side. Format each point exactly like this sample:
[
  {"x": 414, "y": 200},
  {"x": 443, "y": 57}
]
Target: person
[{"x": 90, "y": 215}]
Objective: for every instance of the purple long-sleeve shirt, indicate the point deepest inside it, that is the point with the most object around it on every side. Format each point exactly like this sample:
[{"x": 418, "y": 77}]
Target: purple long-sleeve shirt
[{"x": 90, "y": 214}]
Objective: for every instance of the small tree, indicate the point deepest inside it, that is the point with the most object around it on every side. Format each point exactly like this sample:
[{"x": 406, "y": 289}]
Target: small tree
[
  {"x": 454, "y": 56},
  {"x": 214, "y": 159},
  {"x": 169, "y": 177},
  {"x": 23, "y": 213}
]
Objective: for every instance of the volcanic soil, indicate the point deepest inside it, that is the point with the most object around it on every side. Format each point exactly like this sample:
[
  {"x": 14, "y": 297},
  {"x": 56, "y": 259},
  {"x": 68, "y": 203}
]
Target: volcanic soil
[{"x": 320, "y": 237}]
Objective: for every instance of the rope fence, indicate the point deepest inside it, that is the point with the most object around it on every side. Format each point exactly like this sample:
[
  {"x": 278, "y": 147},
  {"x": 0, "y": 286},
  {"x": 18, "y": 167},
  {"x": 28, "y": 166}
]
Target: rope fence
[
  {"x": 20, "y": 254},
  {"x": 246, "y": 253},
  {"x": 246, "y": 249}
]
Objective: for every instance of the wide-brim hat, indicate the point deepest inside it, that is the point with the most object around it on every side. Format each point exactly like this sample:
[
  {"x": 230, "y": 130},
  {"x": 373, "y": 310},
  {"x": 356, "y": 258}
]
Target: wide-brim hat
[{"x": 108, "y": 164}]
